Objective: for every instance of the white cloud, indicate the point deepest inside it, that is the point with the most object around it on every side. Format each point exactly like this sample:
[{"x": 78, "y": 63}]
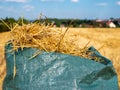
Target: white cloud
[
  {"x": 74, "y": 0},
  {"x": 102, "y": 4},
  {"x": 19, "y": 1},
  {"x": 118, "y": 3},
  {"x": 28, "y": 7},
  {"x": 52, "y": 0}
]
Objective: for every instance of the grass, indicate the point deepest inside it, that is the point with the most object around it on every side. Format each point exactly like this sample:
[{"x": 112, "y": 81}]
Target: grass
[{"x": 106, "y": 40}]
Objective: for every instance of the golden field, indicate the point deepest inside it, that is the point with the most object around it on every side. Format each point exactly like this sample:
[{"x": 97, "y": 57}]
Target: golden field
[{"x": 105, "y": 40}]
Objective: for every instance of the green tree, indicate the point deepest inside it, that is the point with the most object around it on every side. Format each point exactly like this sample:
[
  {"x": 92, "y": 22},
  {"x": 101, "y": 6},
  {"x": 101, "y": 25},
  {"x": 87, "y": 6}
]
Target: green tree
[{"x": 22, "y": 20}]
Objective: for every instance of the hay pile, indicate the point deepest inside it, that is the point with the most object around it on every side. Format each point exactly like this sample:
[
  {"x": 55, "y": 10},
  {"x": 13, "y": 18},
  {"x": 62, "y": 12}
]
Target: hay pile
[{"x": 45, "y": 37}]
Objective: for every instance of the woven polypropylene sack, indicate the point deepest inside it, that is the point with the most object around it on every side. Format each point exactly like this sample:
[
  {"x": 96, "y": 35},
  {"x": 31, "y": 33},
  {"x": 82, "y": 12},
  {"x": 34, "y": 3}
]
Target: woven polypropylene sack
[{"x": 56, "y": 71}]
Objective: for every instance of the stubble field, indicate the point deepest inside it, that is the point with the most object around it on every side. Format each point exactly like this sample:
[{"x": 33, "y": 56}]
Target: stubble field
[{"x": 105, "y": 40}]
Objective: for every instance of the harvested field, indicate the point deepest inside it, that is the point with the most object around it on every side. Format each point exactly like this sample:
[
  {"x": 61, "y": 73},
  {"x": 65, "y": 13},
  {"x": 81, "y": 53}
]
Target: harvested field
[
  {"x": 3, "y": 38},
  {"x": 105, "y": 40}
]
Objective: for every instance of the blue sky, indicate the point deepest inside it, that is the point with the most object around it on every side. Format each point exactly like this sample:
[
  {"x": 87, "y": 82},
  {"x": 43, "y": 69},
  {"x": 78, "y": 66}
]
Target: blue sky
[{"x": 75, "y": 9}]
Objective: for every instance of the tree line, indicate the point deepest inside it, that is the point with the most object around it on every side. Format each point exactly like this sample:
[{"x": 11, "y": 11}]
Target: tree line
[{"x": 84, "y": 23}]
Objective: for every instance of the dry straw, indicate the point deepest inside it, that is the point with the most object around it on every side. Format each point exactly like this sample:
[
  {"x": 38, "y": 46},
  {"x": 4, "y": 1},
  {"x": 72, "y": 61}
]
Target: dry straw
[{"x": 45, "y": 37}]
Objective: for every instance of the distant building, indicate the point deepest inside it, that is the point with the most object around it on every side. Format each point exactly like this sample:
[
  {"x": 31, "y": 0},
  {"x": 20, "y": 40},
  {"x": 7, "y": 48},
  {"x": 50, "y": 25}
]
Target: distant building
[
  {"x": 111, "y": 24},
  {"x": 108, "y": 23},
  {"x": 99, "y": 21},
  {"x": 62, "y": 25}
]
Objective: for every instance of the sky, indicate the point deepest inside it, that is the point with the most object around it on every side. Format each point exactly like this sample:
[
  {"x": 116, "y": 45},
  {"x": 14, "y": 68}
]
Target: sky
[{"x": 65, "y": 9}]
